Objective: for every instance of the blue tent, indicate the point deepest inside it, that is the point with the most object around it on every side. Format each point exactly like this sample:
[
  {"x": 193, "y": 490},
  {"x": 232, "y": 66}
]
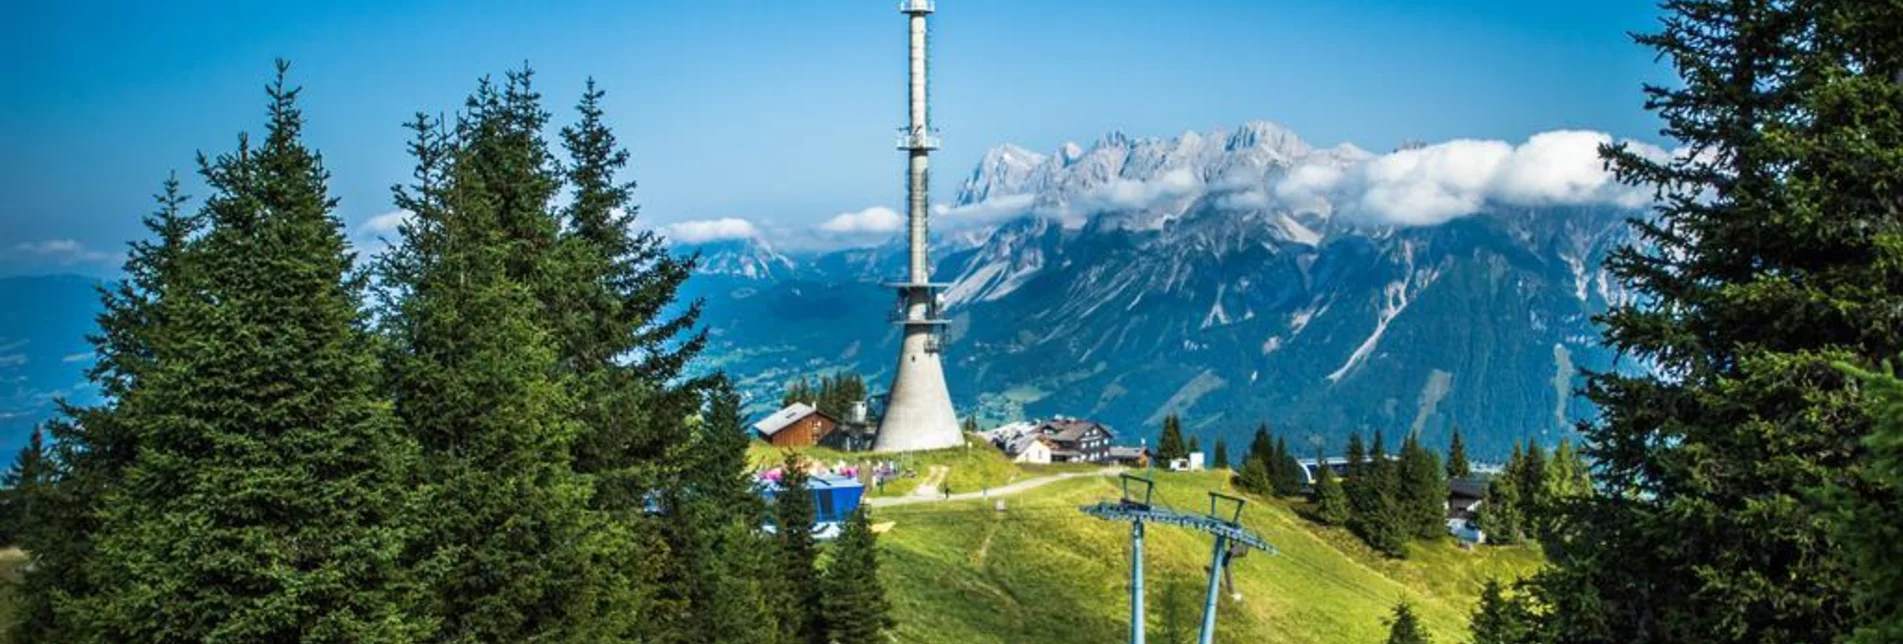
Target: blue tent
[{"x": 835, "y": 498}]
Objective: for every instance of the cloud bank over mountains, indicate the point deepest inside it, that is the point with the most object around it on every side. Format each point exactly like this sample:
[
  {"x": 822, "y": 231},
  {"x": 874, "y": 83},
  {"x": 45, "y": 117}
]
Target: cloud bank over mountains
[
  {"x": 1435, "y": 183},
  {"x": 1258, "y": 166}
]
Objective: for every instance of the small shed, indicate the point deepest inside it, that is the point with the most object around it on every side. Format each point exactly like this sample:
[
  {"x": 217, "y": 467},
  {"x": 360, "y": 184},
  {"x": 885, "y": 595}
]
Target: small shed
[
  {"x": 796, "y": 425},
  {"x": 1129, "y": 456}
]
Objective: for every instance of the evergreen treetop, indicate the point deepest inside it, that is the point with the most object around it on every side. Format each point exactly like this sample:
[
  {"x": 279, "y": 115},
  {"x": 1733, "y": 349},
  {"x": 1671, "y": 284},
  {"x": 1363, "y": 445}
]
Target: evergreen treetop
[
  {"x": 857, "y": 611},
  {"x": 1406, "y": 626},
  {"x": 1457, "y": 466}
]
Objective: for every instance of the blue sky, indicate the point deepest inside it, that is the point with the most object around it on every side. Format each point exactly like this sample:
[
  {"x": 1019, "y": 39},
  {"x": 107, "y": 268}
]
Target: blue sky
[{"x": 772, "y": 111}]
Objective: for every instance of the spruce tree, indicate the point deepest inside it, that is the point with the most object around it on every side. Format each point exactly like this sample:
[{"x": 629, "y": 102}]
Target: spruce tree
[
  {"x": 1255, "y": 478},
  {"x": 1405, "y": 627},
  {"x": 1357, "y": 458},
  {"x": 509, "y": 547},
  {"x": 727, "y": 582},
  {"x": 1772, "y": 254},
  {"x": 1423, "y": 490},
  {"x": 624, "y": 353},
  {"x": 263, "y": 450},
  {"x": 793, "y": 513},
  {"x": 1277, "y": 466},
  {"x": 1864, "y": 518},
  {"x": 94, "y": 445},
  {"x": 856, "y": 608},
  {"x": 1457, "y": 467},
  {"x": 1288, "y": 471},
  {"x": 1194, "y": 445},
  {"x": 1262, "y": 444},
  {"x": 1502, "y": 514},
  {"x": 24, "y": 490},
  {"x": 1222, "y": 454},
  {"x": 1499, "y": 621},
  {"x": 610, "y": 314},
  {"x": 1379, "y": 516},
  {"x": 1171, "y": 446},
  {"x": 1331, "y": 501}
]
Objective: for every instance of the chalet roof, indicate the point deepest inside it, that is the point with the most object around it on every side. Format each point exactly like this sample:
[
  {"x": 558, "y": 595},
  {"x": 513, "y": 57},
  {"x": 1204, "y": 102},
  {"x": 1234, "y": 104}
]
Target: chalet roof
[
  {"x": 1124, "y": 451},
  {"x": 786, "y": 416},
  {"x": 1071, "y": 429},
  {"x": 1018, "y": 443},
  {"x": 1467, "y": 488}
]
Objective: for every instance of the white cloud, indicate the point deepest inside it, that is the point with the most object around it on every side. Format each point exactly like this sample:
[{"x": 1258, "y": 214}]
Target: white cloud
[
  {"x": 706, "y": 230},
  {"x": 374, "y": 234},
  {"x": 877, "y": 219},
  {"x": 1123, "y": 193},
  {"x": 989, "y": 210},
  {"x": 1435, "y": 183},
  {"x": 387, "y": 223},
  {"x": 64, "y": 252}
]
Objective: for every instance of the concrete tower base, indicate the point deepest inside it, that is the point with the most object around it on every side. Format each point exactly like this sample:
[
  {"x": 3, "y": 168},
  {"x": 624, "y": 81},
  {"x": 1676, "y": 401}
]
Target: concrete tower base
[{"x": 919, "y": 412}]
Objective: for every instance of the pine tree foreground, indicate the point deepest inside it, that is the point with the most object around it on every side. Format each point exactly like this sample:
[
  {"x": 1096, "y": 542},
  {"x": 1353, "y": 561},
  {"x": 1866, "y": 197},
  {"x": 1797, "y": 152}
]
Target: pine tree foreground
[
  {"x": 1405, "y": 627},
  {"x": 1776, "y": 251},
  {"x": 856, "y": 608}
]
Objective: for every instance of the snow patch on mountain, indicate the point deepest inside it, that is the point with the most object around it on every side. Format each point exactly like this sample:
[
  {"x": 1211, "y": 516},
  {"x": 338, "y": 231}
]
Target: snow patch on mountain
[{"x": 1394, "y": 299}]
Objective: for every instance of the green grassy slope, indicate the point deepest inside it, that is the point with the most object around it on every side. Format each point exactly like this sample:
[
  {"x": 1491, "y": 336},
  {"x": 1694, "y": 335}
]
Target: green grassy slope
[
  {"x": 1044, "y": 572},
  {"x": 969, "y": 469}
]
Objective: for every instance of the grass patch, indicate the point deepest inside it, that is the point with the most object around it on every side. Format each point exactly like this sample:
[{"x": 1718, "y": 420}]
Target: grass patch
[
  {"x": 1043, "y": 571},
  {"x": 971, "y": 468}
]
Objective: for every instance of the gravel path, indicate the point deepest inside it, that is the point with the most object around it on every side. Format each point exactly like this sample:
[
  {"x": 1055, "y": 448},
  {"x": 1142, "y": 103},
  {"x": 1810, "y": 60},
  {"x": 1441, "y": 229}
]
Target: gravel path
[{"x": 1006, "y": 490}]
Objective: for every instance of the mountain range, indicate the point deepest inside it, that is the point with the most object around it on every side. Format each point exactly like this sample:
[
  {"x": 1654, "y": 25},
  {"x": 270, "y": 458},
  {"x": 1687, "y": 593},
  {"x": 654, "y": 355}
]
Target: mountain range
[{"x": 1138, "y": 277}]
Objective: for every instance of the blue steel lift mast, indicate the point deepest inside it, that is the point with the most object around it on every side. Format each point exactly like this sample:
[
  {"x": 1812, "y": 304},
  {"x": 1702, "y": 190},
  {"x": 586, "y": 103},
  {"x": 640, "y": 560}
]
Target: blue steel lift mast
[{"x": 1232, "y": 540}]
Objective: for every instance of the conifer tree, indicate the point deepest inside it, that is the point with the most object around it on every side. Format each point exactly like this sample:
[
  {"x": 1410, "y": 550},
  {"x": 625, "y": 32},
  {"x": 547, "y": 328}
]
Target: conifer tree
[
  {"x": 728, "y": 582},
  {"x": 94, "y": 445},
  {"x": 799, "y": 391},
  {"x": 1284, "y": 470},
  {"x": 1502, "y": 514},
  {"x": 1406, "y": 627},
  {"x": 804, "y": 619},
  {"x": 24, "y": 490},
  {"x": 509, "y": 547},
  {"x": 1331, "y": 501},
  {"x": 856, "y": 608},
  {"x": 1262, "y": 444},
  {"x": 1457, "y": 466},
  {"x": 1423, "y": 490},
  {"x": 262, "y": 449},
  {"x": 1379, "y": 516},
  {"x": 1772, "y": 254},
  {"x": 1171, "y": 446},
  {"x": 1499, "y": 621},
  {"x": 609, "y": 310},
  {"x": 1865, "y": 518},
  {"x": 1255, "y": 478},
  {"x": 1357, "y": 458},
  {"x": 1222, "y": 454},
  {"x": 1194, "y": 445}
]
